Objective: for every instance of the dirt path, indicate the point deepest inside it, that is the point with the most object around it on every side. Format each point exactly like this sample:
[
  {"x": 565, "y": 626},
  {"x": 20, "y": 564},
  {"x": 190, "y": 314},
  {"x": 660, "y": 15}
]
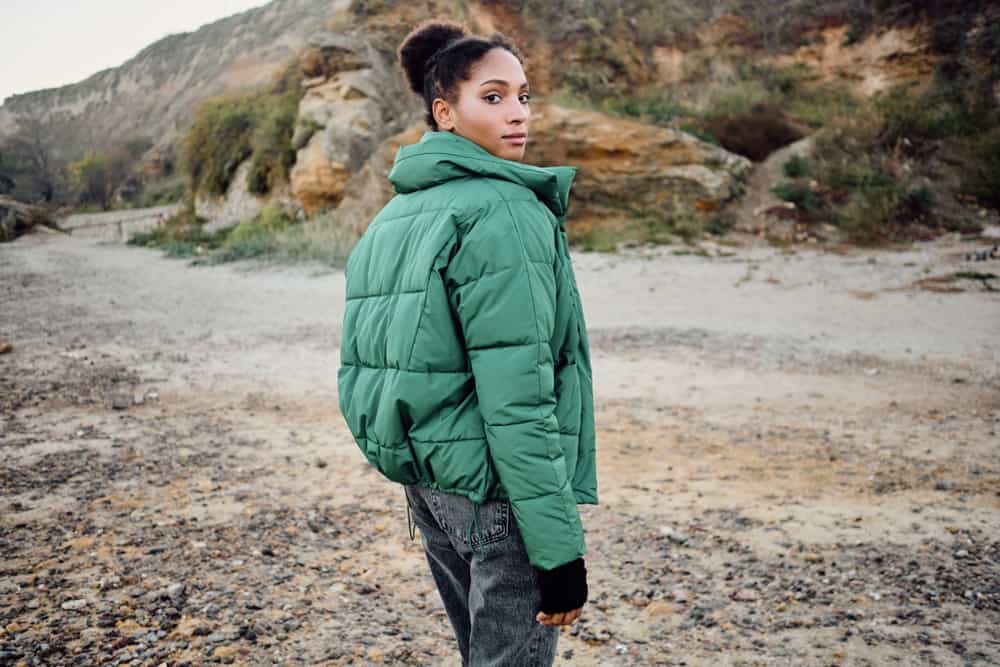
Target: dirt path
[{"x": 798, "y": 460}]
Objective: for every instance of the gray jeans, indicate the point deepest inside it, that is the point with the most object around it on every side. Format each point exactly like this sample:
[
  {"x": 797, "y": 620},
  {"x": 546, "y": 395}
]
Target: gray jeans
[{"x": 488, "y": 587}]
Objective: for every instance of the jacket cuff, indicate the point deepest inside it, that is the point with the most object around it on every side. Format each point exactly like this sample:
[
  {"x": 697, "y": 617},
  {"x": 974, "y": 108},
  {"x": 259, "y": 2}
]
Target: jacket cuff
[{"x": 563, "y": 588}]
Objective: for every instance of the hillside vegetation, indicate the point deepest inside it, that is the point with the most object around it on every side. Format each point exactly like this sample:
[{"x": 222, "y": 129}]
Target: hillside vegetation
[{"x": 910, "y": 159}]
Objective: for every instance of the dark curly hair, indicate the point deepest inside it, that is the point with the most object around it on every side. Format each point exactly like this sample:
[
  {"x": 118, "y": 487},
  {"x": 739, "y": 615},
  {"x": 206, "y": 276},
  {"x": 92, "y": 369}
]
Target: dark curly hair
[{"x": 437, "y": 55}]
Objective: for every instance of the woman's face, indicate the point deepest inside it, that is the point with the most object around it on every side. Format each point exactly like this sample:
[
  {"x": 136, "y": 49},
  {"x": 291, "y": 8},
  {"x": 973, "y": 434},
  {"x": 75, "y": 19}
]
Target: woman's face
[{"x": 492, "y": 108}]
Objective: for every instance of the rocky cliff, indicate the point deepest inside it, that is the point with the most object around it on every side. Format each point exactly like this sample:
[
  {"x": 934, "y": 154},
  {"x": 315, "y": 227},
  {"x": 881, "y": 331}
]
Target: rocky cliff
[{"x": 153, "y": 95}]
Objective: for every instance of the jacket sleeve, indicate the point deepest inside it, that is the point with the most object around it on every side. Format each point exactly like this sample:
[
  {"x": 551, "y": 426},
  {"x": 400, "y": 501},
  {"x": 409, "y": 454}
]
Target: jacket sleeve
[{"x": 502, "y": 289}]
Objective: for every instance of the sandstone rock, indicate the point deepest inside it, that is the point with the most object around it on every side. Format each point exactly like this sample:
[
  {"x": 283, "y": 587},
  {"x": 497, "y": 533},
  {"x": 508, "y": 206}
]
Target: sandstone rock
[
  {"x": 875, "y": 64},
  {"x": 626, "y": 165},
  {"x": 356, "y": 99},
  {"x": 369, "y": 189}
]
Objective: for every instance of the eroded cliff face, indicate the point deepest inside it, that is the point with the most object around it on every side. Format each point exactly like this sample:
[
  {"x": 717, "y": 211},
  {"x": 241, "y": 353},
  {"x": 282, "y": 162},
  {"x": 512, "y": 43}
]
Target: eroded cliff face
[
  {"x": 355, "y": 99},
  {"x": 356, "y": 110},
  {"x": 873, "y": 65},
  {"x": 154, "y": 94}
]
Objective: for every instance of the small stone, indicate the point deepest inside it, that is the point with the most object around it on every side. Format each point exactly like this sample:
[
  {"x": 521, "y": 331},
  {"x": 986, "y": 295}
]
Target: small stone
[
  {"x": 746, "y": 595},
  {"x": 222, "y": 652},
  {"x": 658, "y": 608},
  {"x": 175, "y": 591},
  {"x": 121, "y": 402},
  {"x": 961, "y": 553},
  {"x": 675, "y": 536},
  {"x": 74, "y": 605},
  {"x": 375, "y": 655}
]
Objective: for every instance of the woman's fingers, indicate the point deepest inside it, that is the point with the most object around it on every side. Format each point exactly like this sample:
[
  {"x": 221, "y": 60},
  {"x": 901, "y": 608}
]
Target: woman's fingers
[{"x": 563, "y": 618}]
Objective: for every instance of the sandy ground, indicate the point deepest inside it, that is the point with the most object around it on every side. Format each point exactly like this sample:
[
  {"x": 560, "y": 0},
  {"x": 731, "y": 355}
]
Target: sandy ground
[{"x": 798, "y": 465}]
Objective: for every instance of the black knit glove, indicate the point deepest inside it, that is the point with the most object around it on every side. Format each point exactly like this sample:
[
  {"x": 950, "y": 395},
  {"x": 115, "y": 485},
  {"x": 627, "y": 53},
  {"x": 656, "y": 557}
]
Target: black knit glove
[{"x": 563, "y": 588}]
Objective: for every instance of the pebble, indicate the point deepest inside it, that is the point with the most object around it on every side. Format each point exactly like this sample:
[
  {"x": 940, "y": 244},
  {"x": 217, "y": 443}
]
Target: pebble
[
  {"x": 74, "y": 605},
  {"x": 675, "y": 536},
  {"x": 746, "y": 595},
  {"x": 175, "y": 591}
]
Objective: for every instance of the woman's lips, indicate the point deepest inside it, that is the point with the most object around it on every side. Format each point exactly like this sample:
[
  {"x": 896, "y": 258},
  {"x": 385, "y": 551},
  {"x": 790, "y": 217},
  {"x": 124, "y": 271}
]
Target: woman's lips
[{"x": 516, "y": 139}]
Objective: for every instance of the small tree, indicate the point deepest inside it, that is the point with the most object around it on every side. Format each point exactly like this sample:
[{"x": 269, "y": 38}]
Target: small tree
[{"x": 90, "y": 179}]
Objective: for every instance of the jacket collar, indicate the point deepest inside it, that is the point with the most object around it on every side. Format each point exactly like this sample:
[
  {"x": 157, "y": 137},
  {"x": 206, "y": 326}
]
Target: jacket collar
[{"x": 444, "y": 156}]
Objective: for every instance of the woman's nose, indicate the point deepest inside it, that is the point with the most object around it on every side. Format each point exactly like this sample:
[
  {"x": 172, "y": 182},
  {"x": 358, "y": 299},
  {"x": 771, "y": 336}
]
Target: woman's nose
[{"x": 518, "y": 113}]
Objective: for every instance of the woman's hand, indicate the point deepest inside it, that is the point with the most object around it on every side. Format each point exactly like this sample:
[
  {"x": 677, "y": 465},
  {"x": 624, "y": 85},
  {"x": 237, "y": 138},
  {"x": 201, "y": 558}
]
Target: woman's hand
[{"x": 565, "y": 618}]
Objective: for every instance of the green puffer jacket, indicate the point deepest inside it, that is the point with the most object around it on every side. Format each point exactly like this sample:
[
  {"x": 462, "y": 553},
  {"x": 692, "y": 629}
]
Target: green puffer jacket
[{"x": 464, "y": 358}]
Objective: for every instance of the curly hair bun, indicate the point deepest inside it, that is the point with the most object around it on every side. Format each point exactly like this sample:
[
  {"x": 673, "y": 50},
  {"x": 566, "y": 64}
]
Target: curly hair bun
[{"x": 421, "y": 44}]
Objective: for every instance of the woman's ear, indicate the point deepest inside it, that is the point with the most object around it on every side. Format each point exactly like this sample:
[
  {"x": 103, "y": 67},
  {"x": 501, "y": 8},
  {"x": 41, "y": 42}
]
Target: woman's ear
[{"x": 443, "y": 114}]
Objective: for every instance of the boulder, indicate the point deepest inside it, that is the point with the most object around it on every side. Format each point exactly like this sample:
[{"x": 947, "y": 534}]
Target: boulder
[
  {"x": 355, "y": 99},
  {"x": 369, "y": 189},
  {"x": 632, "y": 169},
  {"x": 17, "y": 218}
]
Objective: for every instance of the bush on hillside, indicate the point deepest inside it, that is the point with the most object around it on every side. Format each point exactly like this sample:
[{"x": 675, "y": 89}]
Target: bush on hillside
[
  {"x": 218, "y": 141},
  {"x": 981, "y": 168},
  {"x": 796, "y": 167},
  {"x": 228, "y": 130}
]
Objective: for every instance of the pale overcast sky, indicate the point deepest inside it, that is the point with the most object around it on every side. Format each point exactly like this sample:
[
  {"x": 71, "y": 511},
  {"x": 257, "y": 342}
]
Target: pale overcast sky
[{"x": 50, "y": 43}]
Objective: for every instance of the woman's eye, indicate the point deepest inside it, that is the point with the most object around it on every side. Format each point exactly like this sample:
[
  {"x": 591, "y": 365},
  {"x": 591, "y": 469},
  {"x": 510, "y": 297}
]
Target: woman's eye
[
  {"x": 493, "y": 98},
  {"x": 525, "y": 98}
]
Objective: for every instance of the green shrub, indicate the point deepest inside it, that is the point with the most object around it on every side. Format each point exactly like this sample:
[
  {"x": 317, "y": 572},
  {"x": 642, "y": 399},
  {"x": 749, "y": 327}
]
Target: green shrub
[
  {"x": 980, "y": 172},
  {"x": 228, "y": 130},
  {"x": 217, "y": 142},
  {"x": 869, "y": 216},
  {"x": 322, "y": 239},
  {"x": 180, "y": 235},
  {"x": 921, "y": 118},
  {"x": 598, "y": 239},
  {"x": 916, "y": 204},
  {"x": 796, "y": 167},
  {"x": 801, "y": 195},
  {"x": 274, "y": 237},
  {"x": 160, "y": 194},
  {"x": 848, "y": 175},
  {"x": 657, "y": 108},
  {"x": 253, "y": 238},
  {"x": 273, "y": 156},
  {"x": 688, "y": 227},
  {"x": 719, "y": 224}
]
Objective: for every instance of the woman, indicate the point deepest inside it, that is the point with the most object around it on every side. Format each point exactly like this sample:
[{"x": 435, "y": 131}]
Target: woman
[{"x": 465, "y": 371}]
